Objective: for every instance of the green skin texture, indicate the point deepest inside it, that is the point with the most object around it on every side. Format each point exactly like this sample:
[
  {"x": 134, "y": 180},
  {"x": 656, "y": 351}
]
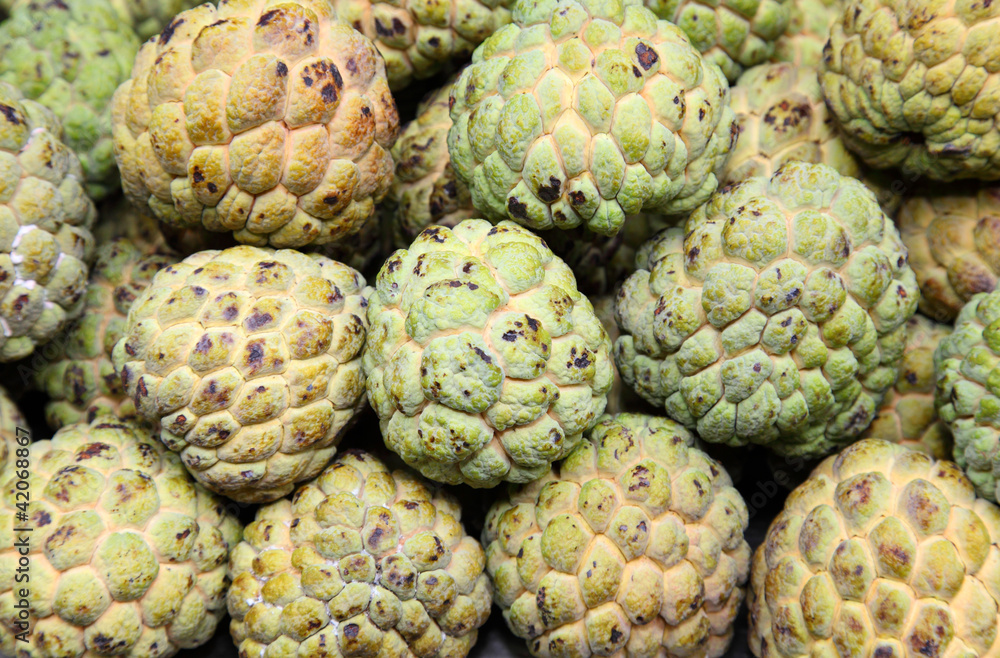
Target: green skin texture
[
  {"x": 483, "y": 361},
  {"x": 776, "y": 317},
  {"x": 70, "y": 56},
  {"x": 968, "y": 393},
  {"x": 633, "y": 546},
  {"x": 583, "y": 112}
]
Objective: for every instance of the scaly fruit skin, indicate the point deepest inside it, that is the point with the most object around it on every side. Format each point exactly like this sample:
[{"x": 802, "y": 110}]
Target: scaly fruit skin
[
  {"x": 71, "y": 55},
  {"x": 45, "y": 221},
  {"x": 735, "y": 34},
  {"x": 966, "y": 396},
  {"x": 81, "y": 381},
  {"x": 128, "y": 555},
  {"x": 907, "y": 415},
  {"x": 809, "y": 23},
  {"x": 914, "y": 85},
  {"x": 484, "y": 362},
  {"x": 148, "y": 17},
  {"x": 360, "y": 562},
  {"x": 953, "y": 238},
  {"x": 250, "y": 361},
  {"x": 585, "y": 111},
  {"x": 777, "y": 316},
  {"x": 266, "y": 118},
  {"x": 881, "y": 552},
  {"x": 633, "y": 546},
  {"x": 418, "y": 38},
  {"x": 426, "y": 190},
  {"x": 11, "y": 420}
]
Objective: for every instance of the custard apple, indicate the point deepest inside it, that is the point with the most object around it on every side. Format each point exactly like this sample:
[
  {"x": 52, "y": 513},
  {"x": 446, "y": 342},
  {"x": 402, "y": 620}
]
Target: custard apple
[
  {"x": 915, "y": 85},
  {"x": 882, "y": 552},
  {"x": 250, "y": 361},
  {"x": 966, "y": 396},
  {"x": 777, "y": 316},
  {"x": 953, "y": 237},
  {"x": 127, "y": 554},
  {"x": 633, "y": 546},
  {"x": 360, "y": 562},
  {"x": 809, "y": 23},
  {"x": 267, "y": 118},
  {"x": 11, "y": 420},
  {"x": 484, "y": 362},
  {"x": 45, "y": 221},
  {"x": 148, "y": 17},
  {"x": 584, "y": 111}
]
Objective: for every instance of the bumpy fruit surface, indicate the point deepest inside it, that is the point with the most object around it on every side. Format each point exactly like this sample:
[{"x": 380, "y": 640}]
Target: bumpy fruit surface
[
  {"x": 916, "y": 85},
  {"x": 128, "y": 555},
  {"x": 907, "y": 415},
  {"x": 418, "y": 38},
  {"x": 266, "y": 118},
  {"x": 360, "y": 562},
  {"x": 484, "y": 362},
  {"x": 81, "y": 381},
  {"x": 45, "y": 220},
  {"x": 733, "y": 34},
  {"x": 881, "y": 552},
  {"x": 777, "y": 316},
  {"x": 148, "y": 17},
  {"x": 633, "y": 546},
  {"x": 966, "y": 365},
  {"x": 11, "y": 420},
  {"x": 584, "y": 111},
  {"x": 250, "y": 360},
  {"x": 809, "y": 23},
  {"x": 953, "y": 237}
]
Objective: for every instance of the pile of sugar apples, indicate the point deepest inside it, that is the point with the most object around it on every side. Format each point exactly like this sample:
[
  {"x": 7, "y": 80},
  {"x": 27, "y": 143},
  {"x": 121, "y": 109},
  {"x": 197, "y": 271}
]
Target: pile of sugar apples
[{"x": 352, "y": 320}]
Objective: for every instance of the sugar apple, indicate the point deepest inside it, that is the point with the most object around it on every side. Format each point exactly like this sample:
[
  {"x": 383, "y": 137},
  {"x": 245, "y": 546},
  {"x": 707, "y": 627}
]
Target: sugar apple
[
  {"x": 81, "y": 381},
  {"x": 148, "y": 17},
  {"x": 484, "y": 362},
  {"x": 426, "y": 190},
  {"x": 267, "y": 118},
  {"x": 966, "y": 369},
  {"x": 250, "y": 360},
  {"x": 733, "y": 34},
  {"x": 916, "y": 85},
  {"x": 11, "y": 420},
  {"x": 127, "y": 554},
  {"x": 45, "y": 220},
  {"x": 907, "y": 415},
  {"x": 881, "y": 552},
  {"x": 953, "y": 237},
  {"x": 633, "y": 546},
  {"x": 809, "y": 23},
  {"x": 777, "y": 316},
  {"x": 360, "y": 562},
  {"x": 585, "y": 111}
]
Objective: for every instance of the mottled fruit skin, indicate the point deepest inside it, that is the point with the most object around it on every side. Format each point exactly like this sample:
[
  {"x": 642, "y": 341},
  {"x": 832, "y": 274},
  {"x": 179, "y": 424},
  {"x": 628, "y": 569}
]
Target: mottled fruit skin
[
  {"x": 360, "y": 562},
  {"x": 953, "y": 237},
  {"x": 777, "y": 316},
  {"x": 631, "y": 547},
  {"x": 128, "y": 555},
  {"x": 418, "y": 38},
  {"x": 250, "y": 361},
  {"x": 484, "y": 362},
  {"x": 734, "y": 34},
  {"x": 908, "y": 415},
  {"x": 967, "y": 397},
  {"x": 584, "y": 111},
  {"x": 45, "y": 220},
  {"x": 882, "y": 552},
  {"x": 11, "y": 419},
  {"x": 148, "y": 17},
  {"x": 809, "y": 23},
  {"x": 915, "y": 85},
  {"x": 267, "y": 118}
]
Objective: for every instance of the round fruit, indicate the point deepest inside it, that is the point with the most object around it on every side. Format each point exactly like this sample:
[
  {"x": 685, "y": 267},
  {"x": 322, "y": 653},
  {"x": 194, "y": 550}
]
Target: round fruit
[
  {"x": 250, "y": 361},
  {"x": 777, "y": 316},
  {"x": 633, "y": 546},
  {"x": 954, "y": 245},
  {"x": 127, "y": 554},
  {"x": 585, "y": 111},
  {"x": 360, "y": 562},
  {"x": 11, "y": 420},
  {"x": 273, "y": 122},
  {"x": 966, "y": 364},
  {"x": 809, "y": 23},
  {"x": 484, "y": 362},
  {"x": 881, "y": 552}
]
